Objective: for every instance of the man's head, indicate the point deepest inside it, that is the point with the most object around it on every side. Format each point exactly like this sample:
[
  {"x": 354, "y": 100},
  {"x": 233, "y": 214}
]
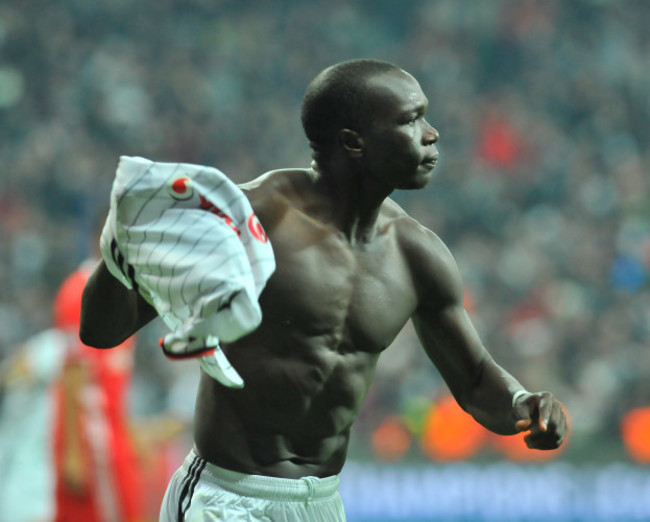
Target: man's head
[
  {"x": 337, "y": 98},
  {"x": 373, "y": 114}
]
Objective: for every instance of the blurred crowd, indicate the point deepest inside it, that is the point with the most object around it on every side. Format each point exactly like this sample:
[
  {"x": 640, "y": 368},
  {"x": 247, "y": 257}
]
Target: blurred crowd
[{"x": 542, "y": 191}]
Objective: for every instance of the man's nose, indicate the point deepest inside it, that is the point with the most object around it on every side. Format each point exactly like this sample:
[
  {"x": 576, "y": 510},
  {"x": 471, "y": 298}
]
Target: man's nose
[{"x": 430, "y": 136}]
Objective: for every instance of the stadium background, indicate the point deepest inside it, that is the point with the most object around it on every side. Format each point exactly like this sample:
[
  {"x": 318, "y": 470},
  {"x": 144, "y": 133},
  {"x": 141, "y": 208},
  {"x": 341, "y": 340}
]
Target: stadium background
[{"x": 542, "y": 194}]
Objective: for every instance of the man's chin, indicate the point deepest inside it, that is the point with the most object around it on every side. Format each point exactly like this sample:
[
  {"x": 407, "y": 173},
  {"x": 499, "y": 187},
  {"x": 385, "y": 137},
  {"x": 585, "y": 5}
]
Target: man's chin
[{"x": 418, "y": 182}]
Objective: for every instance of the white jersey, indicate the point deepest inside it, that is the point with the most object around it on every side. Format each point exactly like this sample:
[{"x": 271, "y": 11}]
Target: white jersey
[{"x": 186, "y": 238}]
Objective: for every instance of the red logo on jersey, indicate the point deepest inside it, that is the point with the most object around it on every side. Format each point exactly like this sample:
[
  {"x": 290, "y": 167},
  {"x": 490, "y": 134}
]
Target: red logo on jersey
[
  {"x": 255, "y": 228},
  {"x": 180, "y": 188},
  {"x": 210, "y": 207}
]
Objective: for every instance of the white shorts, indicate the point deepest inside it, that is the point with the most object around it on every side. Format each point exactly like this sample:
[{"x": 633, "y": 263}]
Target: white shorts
[{"x": 201, "y": 491}]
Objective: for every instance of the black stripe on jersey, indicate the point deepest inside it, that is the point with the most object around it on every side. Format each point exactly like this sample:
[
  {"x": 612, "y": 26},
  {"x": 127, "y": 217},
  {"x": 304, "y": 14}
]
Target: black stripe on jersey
[
  {"x": 127, "y": 269},
  {"x": 118, "y": 258},
  {"x": 131, "y": 275}
]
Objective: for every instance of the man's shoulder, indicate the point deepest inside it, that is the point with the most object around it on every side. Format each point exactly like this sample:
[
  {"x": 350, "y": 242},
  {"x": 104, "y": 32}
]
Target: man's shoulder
[
  {"x": 273, "y": 192},
  {"x": 273, "y": 183},
  {"x": 416, "y": 240},
  {"x": 428, "y": 257},
  {"x": 407, "y": 227}
]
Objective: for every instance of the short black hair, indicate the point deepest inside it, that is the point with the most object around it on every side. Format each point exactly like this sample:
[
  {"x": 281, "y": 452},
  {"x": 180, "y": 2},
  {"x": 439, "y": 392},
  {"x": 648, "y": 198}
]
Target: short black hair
[{"x": 336, "y": 99}]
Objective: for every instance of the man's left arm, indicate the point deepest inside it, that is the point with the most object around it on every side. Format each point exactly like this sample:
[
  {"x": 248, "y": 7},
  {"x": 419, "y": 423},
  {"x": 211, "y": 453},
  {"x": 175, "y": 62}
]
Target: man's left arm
[{"x": 483, "y": 388}]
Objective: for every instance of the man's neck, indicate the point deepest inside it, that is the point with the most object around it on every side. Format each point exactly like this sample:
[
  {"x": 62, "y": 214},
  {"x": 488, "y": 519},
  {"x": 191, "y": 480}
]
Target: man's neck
[{"x": 353, "y": 202}]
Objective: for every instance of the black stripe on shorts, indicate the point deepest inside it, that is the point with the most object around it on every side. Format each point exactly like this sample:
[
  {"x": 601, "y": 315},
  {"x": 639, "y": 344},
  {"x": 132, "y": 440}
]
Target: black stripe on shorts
[
  {"x": 195, "y": 481},
  {"x": 189, "y": 483}
]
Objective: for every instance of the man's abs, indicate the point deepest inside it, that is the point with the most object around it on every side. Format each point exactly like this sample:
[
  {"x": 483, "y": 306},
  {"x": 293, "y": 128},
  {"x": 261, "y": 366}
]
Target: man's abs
[{"x": 291, "y": 419}]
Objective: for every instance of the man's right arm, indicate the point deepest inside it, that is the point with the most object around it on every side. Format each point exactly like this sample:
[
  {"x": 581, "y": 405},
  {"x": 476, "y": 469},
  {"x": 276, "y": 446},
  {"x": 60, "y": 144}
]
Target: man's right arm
[{"x": 110, "y": 312}]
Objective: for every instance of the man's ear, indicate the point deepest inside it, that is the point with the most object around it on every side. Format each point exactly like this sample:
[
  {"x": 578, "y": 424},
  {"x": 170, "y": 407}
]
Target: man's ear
[{"x": 351, "y": 142}]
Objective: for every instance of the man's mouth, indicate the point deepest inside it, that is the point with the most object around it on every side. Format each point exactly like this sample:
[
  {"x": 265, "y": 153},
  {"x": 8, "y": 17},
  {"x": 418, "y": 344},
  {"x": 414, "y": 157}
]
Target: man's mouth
[{"x": 430, "y": 161}]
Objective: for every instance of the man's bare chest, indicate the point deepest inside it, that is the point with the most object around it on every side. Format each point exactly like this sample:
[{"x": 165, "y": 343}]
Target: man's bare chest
[{"x": 359, "y": 298}]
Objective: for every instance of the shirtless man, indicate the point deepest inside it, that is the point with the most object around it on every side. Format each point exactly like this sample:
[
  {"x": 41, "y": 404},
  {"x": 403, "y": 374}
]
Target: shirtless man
[{"x": 352, "y": 269}]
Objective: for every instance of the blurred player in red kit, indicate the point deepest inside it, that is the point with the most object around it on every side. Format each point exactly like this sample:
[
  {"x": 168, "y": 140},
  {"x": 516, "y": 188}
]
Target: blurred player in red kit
[{"x": 98, "y": 475}]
